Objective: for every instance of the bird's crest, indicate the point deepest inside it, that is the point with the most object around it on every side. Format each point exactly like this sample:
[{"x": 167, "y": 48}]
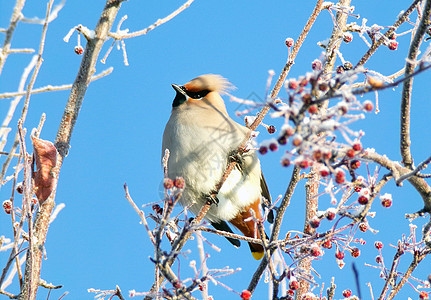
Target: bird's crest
[{"x": 209, "y": 82}]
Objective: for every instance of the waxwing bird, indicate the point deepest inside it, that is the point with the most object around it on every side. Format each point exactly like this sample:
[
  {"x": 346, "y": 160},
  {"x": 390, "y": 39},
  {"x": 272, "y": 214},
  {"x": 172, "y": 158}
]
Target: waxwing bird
[{"x": 201, "y": 138}]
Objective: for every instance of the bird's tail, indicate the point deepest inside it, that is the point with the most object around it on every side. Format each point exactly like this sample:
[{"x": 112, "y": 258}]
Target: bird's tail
[{"x": 249, "y": 228}]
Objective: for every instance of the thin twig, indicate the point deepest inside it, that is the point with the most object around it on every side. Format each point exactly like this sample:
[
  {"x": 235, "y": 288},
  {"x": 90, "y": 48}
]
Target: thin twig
[
  {"x": 420, "y": 167},
  {"x": 121, "y": 36},
  {"x": 55, "y": 88},
  {"x": 16, "y": 16}
]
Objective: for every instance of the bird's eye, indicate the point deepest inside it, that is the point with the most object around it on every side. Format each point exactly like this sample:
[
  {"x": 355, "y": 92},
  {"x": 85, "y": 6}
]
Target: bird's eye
[{"x": 196, "y": 95}]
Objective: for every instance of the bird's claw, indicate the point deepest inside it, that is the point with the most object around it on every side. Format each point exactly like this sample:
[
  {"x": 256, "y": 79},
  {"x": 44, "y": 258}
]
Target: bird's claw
[{"x": 212, "y": 198}]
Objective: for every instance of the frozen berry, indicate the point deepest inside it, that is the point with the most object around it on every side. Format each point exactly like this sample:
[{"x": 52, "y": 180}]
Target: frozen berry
[
  {"x": 354, "y": 164},
  {"x": 293, "y": 284},
  {"x": 271, "y": 129},
  {"x": 79, "y": 50},
  {"x": 393, "y": 45},
  {"x": 355, "y": 252},
  {"x": 363, "y": 199},
  {"x": 179, "y": 182},
  {"x": 363, "y": 227},
  {"x": 347, "y": 37},
  {"x": 339, "y": 255},
  {"x": 378, "y": 245},
  {"x": 263, "y": 150},
  {"x": 316, "y": 65},
  {"x": 289, "y": 42},
  {"x": 168, "y": 183},
  {"x": 368, "y": 105},
  {"x": 347, "y": 293},
  {"x": 245, "y": 295}
]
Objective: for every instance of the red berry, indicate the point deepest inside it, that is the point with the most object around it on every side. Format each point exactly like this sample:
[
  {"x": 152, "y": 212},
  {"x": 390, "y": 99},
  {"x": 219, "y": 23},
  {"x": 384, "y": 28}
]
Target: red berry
[
  {"x": 378, "y": 245},
  {"x": 368, "y": 105},
  {"x": 379, "y": 259},
  {"x": 315, "y": 222},
  {"x": 273, "y": 146},
  {"x": 357, "y": 188},
  {"x": 79, "y": 50},
  {"x": 7, "y": 206},
  {"x": 423, "y": 295},
  {"x": 245, "y": 295},
  {"x": 347, "y": 37},
  {"x": 350, "y": 153},
  {"x": 330, "y": 214},
  {"x": 386, "y": 200},
  {"x": 313, "y": 109},
  {"x": 304, "y": 164},
  {"x": 315, "y": 251},
  {"x": 354, "y": 164},
  {"x": 324, "y": 171},
  {"x": 316, "y": 65},
  {"x": 327, "y": 244},
  {"x": 282, "y": 140},
  {"x": 340, "y": 176},
  {"x": 263, "y": 150},
  {"x": 339, "y": 255},
  {"x": 307, "y": 98},
  {"x": 293, "y": 85},
  {"x": 347, "y": 293},
  {"x": 357, "y": 147},
  {"x": 168, "y": 183},
  {"x": 291, "y": 292},
  {"x": 363, "y": 199},
  {"x": 271, "y": 129},
  {"x": 393, "y": 45},
  {"x": 293, "y": 284},
  {"x": 285, "y": 162},
  {"x": 386, "y": 203},
  {"x": 19, "y": 188},
  {"x": 289, "y": 42},
  {"x": 355, "y": 252},
  {"x": 363, "y": 227},
  {"x": 179, "y": 182}
]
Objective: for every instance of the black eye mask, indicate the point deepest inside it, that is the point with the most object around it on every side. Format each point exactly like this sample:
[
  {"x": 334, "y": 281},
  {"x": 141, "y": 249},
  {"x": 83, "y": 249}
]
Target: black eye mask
[{"x": 195, "y": 95}]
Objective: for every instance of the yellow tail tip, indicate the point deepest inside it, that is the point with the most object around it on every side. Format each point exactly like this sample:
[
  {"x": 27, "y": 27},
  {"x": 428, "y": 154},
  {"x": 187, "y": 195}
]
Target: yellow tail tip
[{"x": 258, "y": 255}]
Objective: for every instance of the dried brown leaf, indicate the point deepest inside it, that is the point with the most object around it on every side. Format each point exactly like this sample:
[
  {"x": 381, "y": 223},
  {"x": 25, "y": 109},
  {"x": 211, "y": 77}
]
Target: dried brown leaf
[{"x": 45, "y": 158}]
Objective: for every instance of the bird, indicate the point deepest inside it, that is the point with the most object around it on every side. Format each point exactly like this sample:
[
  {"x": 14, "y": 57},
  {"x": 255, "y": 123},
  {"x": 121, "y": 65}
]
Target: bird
[{"x": 202, "y": 139}]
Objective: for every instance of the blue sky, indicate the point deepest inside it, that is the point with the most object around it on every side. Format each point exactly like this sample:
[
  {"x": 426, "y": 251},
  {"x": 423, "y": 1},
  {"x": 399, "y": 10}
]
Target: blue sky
[{"x": 97, "y": 241}]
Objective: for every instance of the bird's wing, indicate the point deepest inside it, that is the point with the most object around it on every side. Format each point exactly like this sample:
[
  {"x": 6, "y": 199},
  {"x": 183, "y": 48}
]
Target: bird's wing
[
  {"x": 267, "y": 195},
  {"x": 223, "y": 226}
]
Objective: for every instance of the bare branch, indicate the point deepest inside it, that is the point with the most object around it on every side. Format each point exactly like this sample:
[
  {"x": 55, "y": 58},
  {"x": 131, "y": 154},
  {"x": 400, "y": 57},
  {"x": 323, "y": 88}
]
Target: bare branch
[{"x": 405, "y": 141}]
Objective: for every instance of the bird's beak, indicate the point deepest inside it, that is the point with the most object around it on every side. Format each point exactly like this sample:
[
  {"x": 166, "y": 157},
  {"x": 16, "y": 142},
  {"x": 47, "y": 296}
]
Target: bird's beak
[{"x": 178, "y": 89}]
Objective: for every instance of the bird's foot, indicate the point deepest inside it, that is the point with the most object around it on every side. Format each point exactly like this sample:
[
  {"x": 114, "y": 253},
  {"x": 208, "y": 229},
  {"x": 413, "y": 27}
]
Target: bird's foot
[
  {"x": 212, "y": 198},
  {"x": 237, "y": 157}
]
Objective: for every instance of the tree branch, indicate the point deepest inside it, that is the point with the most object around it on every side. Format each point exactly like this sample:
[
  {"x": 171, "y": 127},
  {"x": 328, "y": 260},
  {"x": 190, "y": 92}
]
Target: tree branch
[
  {"x": 62, "y": 142},
  {"x": 405, "y": 141}
]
